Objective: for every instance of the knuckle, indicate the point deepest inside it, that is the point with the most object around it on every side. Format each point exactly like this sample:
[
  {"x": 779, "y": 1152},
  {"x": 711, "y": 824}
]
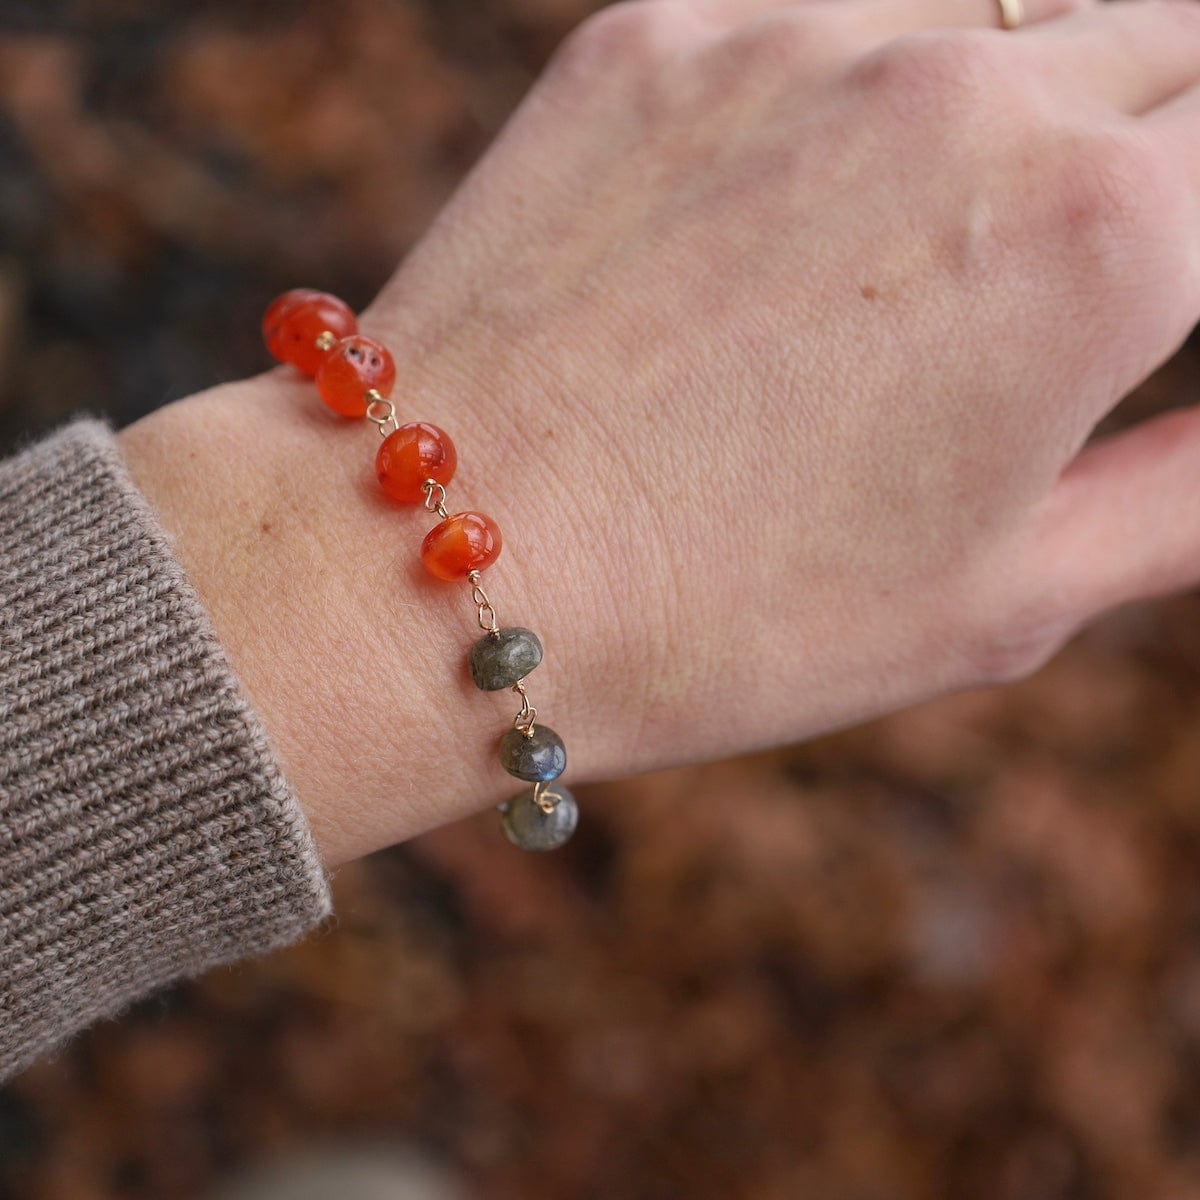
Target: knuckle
[
  {"x": 1017, "y": 641},
  {"x": 939, "y": 75},
  {"x": 1181, "y": 14},
  {"x": 632, "y": 33},
  {"x": 782, "y": 43},
  {"x": 1111, "y": 193}
]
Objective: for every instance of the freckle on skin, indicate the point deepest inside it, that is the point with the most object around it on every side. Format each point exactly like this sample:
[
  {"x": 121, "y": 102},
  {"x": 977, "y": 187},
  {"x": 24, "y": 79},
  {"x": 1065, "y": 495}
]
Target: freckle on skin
[
  {"x": 869, "y": 292},
  {"x": 266, "y": 527}
]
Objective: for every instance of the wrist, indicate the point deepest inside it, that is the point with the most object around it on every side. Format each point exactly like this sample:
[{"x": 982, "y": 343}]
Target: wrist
[{"x": 353, "y": 657}]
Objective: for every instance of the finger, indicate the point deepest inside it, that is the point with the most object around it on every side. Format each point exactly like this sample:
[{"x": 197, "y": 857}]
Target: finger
[
  {"x": 1179, "y": 122},
  {"x": 1128, "y": 54},
  {"x": 879, "y": 20},
  {"x": 1123, "y": 521}
]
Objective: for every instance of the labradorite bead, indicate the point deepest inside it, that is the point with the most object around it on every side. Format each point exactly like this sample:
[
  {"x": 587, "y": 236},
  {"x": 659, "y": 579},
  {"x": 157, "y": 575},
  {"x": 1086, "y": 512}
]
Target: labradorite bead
[
  {"x": 500, "y": 661},
  {"x": 535, "y": 759},
  {"x": 528, "y": 828}
]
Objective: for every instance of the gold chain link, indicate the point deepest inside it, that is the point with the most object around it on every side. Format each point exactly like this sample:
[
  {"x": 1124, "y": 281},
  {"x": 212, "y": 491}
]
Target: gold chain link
[
  {"x": 487, "y": 614},
  {"x": 523, "y": 721},
  {"x": 544, "y": 798},
  {"x": 382, "y": 420},
  {"x": 432, "y": 488}
]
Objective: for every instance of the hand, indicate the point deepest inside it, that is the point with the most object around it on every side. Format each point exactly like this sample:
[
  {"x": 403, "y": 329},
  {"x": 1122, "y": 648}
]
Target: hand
[{"x": 771, "y": 335}]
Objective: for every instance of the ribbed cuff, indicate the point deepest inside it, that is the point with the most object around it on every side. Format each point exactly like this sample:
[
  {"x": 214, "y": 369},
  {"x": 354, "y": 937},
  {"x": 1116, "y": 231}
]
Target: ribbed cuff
[{"x": 146, "y": 829}]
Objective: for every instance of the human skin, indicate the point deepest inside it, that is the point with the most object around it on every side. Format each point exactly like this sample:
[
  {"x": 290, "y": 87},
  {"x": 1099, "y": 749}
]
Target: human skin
[{"x": 771, "y": 335}]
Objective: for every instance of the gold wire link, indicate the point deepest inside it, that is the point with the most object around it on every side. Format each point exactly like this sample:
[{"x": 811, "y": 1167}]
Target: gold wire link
[
  {"x": 432, "y": 488},
  {"x": 326, "y": 339},
  {"x": 388, "y": 417},
  {"x": 523, "y": 721},
  {"x": 487, "y": 614},
  {"x": 544, "y": 797}
]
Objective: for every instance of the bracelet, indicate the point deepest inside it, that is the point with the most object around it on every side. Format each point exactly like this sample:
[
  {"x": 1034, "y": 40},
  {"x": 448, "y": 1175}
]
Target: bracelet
[{"x": 317, "y": 333}]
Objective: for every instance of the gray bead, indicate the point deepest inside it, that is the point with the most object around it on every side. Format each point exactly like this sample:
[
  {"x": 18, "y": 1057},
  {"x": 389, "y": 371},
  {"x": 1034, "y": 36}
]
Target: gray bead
[
  {"x": 499, "y": 661},
  {"x": 528, "y": 828},
  {"x": 535, "y": 759}
]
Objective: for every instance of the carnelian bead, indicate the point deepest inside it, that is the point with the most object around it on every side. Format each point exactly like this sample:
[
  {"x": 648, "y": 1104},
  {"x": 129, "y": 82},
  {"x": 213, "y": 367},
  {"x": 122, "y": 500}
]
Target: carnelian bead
[
  {"x": 353, "y": 366},
  {"x": 291, "y": 329},
  {"x": 467, "y": 541},
  {"x": 275, "y": 313},
  {"x": 412, "y": 454}
]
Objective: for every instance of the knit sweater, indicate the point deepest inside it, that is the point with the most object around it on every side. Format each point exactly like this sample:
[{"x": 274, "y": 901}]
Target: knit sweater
[{"x": 146, "y": 830}]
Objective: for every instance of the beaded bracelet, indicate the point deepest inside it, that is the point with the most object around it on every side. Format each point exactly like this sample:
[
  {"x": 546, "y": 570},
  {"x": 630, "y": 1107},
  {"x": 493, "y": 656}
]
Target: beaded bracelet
[{"x": 317, "y": 333}]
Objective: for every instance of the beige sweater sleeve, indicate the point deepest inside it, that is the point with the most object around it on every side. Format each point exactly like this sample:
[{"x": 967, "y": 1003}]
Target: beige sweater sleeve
[{"x": 146, "y": 830}]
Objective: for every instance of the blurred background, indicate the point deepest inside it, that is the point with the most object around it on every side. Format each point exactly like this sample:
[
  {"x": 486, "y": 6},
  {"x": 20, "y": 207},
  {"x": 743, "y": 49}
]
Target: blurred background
[{"x": 955, "y": 954}]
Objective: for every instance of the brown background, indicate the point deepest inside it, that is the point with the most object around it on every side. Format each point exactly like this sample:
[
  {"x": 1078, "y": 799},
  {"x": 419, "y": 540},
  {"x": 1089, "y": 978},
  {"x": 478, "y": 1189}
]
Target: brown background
[{"x": 955, "y": 954}]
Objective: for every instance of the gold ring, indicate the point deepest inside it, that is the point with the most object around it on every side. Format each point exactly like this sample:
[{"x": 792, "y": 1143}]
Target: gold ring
[{"x": 1012, "y": 13}]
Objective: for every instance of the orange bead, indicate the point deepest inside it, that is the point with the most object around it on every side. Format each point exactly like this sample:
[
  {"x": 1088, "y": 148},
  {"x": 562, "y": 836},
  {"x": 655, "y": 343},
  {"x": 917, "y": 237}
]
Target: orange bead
[
  {"x": 276, "y": 311},
  {"x": 294, "y": 321},
  {"x": 467, "y": 541},
  {"x": 412, "y": 454},
  {"x": 353, "y": 366}
]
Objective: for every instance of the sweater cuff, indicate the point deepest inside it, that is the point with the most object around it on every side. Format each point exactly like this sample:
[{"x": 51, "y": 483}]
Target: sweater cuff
[{"x": 146, "y": 829}]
